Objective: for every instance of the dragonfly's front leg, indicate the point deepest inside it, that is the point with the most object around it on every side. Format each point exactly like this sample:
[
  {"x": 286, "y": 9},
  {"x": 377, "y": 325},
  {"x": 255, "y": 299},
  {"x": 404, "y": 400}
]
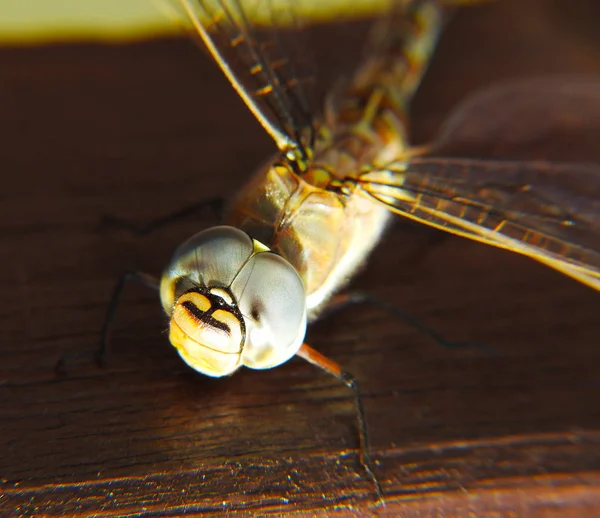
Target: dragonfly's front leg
[
  {"x": 331, "y": 367},
  {"x": 100, "y": 355},
  {"x": 144, "y": 279}
]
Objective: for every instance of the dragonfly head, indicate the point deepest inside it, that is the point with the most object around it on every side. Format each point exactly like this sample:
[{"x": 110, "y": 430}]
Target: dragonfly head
[{"x": 232, "y": 302}]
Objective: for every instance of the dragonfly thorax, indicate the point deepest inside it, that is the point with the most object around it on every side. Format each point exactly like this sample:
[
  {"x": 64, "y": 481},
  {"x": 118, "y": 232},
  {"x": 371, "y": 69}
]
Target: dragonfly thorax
[{"x": 232, "y": 302}]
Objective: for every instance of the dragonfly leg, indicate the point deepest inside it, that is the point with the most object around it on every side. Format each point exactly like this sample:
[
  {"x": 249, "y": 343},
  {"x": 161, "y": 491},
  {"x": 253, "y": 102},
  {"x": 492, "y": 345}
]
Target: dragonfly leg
[
  {"x": 331, "y": 367},
  {"x": 343, "y": 300},
  {"x": 101, "y": 354},
  {"x": 217, "y": 205}
]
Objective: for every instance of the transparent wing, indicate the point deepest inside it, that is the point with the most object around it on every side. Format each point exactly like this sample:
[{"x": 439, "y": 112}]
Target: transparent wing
[
  {"x": 263, "y": 48},
  {"x": 254, "y": 42},
  {"x": 549, "y": 211}
]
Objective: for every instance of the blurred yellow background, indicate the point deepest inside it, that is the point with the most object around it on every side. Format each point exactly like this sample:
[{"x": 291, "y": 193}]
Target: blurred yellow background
[
  {"x": 47, "y": 20},
  {"x": 23, "y": 21}
]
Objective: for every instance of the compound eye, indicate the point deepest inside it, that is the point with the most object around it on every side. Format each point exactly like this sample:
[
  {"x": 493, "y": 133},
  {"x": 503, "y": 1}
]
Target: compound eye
[
  {"x": 271, "y": 298},
  {"x": 208, "y": 331},
  {"x": 210, "y": 258}
]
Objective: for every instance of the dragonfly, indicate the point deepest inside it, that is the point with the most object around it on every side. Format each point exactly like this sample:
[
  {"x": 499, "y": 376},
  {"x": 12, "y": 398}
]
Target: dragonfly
[{"x": 243, "y": 293}]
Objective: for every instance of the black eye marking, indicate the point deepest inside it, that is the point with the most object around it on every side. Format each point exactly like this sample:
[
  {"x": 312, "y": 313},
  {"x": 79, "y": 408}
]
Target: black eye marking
[
  {"x": 216, "y": 302},
  {"x": 202, "y": 316}
]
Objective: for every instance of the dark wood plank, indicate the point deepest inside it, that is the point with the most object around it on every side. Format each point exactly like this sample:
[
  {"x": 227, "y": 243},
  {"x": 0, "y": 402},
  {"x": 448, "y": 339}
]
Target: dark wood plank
[{"x": 144, "y": 129}]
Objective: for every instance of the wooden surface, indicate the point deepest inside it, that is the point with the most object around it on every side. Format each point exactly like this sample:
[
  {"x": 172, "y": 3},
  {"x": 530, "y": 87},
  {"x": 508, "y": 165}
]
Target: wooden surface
[{"x": 142, "y": 130}]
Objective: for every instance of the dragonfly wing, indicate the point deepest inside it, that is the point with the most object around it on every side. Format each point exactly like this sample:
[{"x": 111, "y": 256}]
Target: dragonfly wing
[
  {"x": 392, "y": 44},
  {"x": 263, "y": 48},
  {"x": 255, "y": 43},
  {"x": 557, "y": 117},
  {"x": 549, "y": 212}
]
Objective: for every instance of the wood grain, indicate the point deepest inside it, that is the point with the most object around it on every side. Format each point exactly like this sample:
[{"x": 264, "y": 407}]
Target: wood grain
[{"x": 144, "y": 129}]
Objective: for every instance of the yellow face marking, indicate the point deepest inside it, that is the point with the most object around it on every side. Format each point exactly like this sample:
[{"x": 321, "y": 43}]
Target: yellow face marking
[
  {"x": 206, "y": 330},
  {"x": 232, "y": 322},
  {"x": 202, "y": 302},
  {"x": 201, "y": 358},
  {"x": 207, "y": 335}
]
